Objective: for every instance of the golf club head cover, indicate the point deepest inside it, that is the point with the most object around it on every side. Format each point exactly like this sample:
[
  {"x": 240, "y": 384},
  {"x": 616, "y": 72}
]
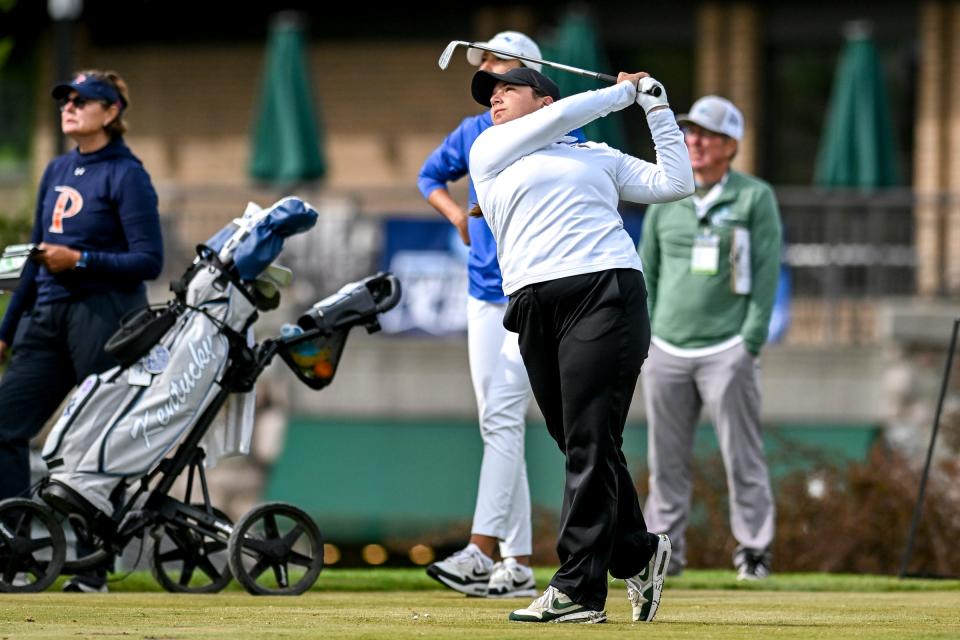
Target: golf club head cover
[{"x": 650, "y": 94}]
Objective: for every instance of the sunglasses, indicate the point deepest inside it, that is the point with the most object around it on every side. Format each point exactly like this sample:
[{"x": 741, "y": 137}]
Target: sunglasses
[
  {"x": 77, "y": 102},
  {"x": 703, "y": 133}
]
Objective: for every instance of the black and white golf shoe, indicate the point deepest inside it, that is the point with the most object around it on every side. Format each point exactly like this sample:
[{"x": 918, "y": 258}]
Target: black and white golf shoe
[
  {"x": 752, "y": 564},
  {"x": 510, "y": 579},
  {"x": 467, "y": 571}
]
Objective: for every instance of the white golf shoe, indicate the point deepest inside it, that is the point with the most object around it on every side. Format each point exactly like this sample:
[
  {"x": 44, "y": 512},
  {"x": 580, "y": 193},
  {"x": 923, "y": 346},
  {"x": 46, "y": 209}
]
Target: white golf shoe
[
  {"x": 644, "y": 589},
  {"x": 467, "y": 571},
  {"x": 555, "y": 606},
  {"x": 510, "y": 579}
]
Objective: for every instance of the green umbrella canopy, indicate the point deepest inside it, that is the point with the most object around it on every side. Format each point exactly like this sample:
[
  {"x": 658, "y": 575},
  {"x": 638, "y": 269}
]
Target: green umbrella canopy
[
  {"x": 857, "y": 148},
  {"x": 287, "y": 141},
  {"x": 575, "y": 43}
]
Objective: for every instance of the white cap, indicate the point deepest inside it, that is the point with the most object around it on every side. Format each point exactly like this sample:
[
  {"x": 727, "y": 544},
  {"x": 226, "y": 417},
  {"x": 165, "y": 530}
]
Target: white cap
[
  {"x": 716, "y": 114},
  {"x": 508, "y": 42}
]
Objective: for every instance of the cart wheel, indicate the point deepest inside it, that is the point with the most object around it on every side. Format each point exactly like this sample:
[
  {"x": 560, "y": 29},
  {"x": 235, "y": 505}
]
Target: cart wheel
[
  {"x": 278, "y": 537},
  {"x": 190, "y": 559},
  {"x": 32, "y": 546}
]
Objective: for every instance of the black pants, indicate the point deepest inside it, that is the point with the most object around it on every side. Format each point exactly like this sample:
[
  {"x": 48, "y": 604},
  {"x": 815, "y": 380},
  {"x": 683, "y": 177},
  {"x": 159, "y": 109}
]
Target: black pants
[
  {"x": 583, "y": 340},
  {"x": 57, "y": 345}
]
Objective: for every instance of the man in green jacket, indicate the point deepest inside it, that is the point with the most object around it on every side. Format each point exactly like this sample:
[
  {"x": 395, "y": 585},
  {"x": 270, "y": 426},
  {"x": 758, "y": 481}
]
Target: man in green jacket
[{"x": 711, "y": 264}]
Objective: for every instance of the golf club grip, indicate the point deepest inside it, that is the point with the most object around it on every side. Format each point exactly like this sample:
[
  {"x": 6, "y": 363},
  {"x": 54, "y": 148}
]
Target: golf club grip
[{"x": 612, "y": 80}]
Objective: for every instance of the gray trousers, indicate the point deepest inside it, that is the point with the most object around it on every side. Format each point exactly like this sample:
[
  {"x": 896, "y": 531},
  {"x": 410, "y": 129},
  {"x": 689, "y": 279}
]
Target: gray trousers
[{"x": 675, "y": 390}]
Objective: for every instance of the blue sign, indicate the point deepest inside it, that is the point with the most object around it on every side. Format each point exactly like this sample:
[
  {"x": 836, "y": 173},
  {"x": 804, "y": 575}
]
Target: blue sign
[{"x": 431, "y": 261}]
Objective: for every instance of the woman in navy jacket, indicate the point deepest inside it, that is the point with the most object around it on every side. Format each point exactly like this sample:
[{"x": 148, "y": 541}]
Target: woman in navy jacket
[{"x": 98, "y": 231}]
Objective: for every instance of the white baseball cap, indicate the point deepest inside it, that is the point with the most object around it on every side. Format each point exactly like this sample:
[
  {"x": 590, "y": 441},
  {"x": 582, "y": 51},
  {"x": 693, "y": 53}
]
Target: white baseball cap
[
  {"x": 508, "y": 42},
  {"x": 716, "y": 114}
]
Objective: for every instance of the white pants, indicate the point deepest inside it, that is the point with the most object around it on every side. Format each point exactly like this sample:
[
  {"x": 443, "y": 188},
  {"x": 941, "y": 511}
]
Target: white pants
[{"x": 503, "y": 394}]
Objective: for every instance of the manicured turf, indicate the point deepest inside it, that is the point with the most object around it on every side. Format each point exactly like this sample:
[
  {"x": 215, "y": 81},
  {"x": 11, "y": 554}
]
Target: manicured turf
[
  {"x": 404, "y": 604},
  {"x": 333, "y": 579}
]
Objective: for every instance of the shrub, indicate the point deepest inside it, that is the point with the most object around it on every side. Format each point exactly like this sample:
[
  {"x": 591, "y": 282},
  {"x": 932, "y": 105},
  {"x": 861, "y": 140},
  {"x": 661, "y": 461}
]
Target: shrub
[
  {"x": 853, "y": 518},
  {"x": 14, "y": 229}
]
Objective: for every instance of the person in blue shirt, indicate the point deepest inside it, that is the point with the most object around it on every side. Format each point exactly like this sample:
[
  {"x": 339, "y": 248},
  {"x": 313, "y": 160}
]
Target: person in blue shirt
[
  {"x": 98, "y": 232},
  {"x": 502, "y": 513}
]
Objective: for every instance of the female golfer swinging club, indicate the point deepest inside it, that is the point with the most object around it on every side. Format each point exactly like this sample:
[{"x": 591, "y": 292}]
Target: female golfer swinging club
[{"x": 578, "y": 301}]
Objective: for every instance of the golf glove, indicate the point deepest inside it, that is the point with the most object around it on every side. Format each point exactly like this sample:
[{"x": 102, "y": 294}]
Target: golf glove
[{"x": 650, "y": 94}]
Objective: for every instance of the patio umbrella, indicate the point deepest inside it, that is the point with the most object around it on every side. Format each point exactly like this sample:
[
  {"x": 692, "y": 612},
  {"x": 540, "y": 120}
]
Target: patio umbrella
[
  {"x": 575, "y": 43},
  {"x": 287, "y": 140},
  {"x": 857, "y": 147}
]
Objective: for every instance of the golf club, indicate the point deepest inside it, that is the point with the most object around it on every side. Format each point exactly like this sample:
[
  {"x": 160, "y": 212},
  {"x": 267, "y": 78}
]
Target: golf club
[{"x": 447, "y": 54}]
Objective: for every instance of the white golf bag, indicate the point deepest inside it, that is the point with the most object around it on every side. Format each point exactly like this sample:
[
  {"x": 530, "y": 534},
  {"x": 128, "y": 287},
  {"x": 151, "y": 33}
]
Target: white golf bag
[{"x": 119, "y": 424}]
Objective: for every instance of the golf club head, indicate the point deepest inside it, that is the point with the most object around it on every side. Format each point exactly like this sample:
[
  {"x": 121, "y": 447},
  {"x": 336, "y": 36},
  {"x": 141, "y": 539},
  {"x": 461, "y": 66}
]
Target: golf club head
[{"x": 447, "y": 54}]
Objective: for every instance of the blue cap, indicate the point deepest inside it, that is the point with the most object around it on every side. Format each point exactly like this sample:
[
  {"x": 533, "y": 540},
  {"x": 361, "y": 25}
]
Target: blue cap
[{"x": 91, "y": 88}]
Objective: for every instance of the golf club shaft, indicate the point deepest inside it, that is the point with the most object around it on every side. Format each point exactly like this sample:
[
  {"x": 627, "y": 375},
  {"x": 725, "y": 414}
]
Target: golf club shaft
[{"x": 556, "y": 65}]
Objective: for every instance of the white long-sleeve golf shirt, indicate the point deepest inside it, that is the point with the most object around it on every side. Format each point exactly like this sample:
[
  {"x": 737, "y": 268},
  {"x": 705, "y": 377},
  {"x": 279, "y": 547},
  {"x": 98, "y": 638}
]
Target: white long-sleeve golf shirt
[{"x": 552, "y": 203}]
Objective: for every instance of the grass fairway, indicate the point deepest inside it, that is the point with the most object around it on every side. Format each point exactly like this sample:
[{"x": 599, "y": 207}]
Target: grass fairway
[{"x": 345, "y": 605}]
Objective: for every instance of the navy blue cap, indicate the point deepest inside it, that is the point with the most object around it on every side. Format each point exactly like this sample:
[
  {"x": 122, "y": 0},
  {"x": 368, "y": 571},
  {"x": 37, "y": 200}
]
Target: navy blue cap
[
  {"x": 484, "y": 82},
  {"x": 90, "y": 88}
]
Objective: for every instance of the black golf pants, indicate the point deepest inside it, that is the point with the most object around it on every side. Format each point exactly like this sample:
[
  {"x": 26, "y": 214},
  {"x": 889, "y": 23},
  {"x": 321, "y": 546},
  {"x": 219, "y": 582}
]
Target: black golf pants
[{"x": 583, "y": 340}]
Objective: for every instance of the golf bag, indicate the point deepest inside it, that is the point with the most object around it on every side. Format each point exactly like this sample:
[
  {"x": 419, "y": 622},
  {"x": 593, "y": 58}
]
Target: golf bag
[
  {"x": 180, "y": 399},
  {"x": 121, "y": 423}
]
